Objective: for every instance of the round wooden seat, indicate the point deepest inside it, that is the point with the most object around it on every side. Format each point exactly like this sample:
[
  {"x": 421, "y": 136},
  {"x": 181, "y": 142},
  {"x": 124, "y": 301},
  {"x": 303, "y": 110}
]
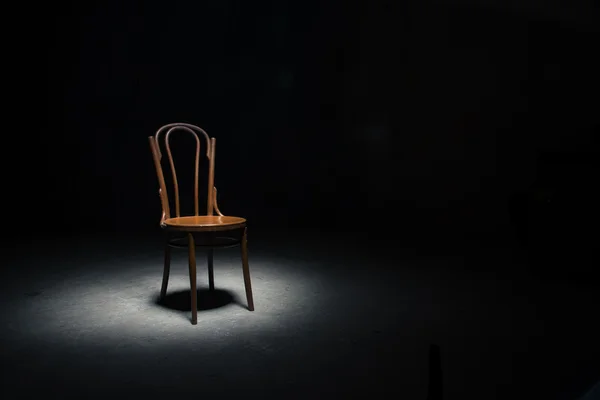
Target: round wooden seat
[{"x": 205, "y": 223}]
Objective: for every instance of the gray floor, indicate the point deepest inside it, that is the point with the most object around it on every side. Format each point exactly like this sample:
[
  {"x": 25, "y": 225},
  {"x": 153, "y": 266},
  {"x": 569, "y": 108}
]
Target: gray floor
[{"x": 334, "y": 315}]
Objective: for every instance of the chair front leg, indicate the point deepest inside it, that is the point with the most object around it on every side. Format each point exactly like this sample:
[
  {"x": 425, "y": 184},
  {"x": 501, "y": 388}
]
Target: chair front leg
[
  {"x": 192, "y": 263},
  {"x": 246, "y": 268},
  {"x": 167, "y": 267},
  {"x": 211, "y": 275}
]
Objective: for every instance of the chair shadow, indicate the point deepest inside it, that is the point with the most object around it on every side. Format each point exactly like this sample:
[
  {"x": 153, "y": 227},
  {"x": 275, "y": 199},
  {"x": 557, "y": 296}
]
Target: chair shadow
[{"x": 206, "y": 299}]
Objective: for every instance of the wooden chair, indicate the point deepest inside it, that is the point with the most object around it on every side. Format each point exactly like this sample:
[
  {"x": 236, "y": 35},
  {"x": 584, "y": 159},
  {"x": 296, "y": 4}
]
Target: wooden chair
[{"x": 197, "y": 230}]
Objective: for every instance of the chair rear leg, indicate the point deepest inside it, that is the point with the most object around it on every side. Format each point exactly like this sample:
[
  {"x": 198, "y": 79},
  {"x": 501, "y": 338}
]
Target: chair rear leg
[
  {"x": 246, "y": 268},
  {"x": 192, "y": 263},
  {"x": 167, "y": 268},
  {"x": 211, "y": 276}
]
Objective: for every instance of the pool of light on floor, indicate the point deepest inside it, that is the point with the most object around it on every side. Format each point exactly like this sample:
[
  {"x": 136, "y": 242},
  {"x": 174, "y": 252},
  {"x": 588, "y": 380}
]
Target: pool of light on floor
[{"x": 115, "y": 305}]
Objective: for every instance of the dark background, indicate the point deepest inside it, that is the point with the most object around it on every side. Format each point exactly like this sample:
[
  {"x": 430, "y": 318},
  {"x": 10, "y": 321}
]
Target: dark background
[
  {"x": 456, "y": 125},
  {"x": 423, "y": 118}
]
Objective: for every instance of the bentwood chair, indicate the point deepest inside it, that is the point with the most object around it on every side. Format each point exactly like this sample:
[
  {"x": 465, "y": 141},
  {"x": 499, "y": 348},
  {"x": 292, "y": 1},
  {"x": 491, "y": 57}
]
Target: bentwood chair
[{"x": 211, "y": 231}]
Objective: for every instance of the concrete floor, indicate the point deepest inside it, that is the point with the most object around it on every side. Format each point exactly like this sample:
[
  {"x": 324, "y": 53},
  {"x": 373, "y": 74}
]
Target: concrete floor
[{"x": 334, "y": 315}]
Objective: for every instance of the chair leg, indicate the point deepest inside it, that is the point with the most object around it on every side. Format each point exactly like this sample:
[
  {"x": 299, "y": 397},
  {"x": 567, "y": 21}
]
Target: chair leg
[
  {"x": 211, "y": 275},
  {"x": 246, "y": 269},
  {"x": 192, "y": 263},
  {"x": 167, "y": 267}
]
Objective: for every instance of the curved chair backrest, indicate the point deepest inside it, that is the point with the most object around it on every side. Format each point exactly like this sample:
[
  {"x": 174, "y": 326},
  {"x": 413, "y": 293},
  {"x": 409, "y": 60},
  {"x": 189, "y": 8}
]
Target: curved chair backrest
[{"x": 196, "y": 131}]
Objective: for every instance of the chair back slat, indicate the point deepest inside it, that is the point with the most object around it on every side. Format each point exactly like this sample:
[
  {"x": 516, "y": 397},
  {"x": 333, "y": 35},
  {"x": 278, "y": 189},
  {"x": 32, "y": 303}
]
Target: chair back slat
[{"x": 168, "y": 130}]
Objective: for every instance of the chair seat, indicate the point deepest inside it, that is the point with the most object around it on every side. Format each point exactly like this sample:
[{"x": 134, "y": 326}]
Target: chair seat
[{"x": 205, "y": 223}]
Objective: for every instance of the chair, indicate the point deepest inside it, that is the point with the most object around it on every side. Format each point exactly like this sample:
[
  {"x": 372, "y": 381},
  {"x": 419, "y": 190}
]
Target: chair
[{"x": 197, "y": 230}]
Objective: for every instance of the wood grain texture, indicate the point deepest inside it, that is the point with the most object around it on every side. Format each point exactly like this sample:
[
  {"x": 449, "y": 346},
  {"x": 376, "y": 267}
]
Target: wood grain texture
[
  {"x": 209, "y": 223},
  {"x": 162, "y": 191},
  {"x": 215, "y": 204}
]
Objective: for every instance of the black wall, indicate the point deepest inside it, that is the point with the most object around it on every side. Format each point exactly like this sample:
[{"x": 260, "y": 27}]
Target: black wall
[{"x": 431, "y": 115}]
